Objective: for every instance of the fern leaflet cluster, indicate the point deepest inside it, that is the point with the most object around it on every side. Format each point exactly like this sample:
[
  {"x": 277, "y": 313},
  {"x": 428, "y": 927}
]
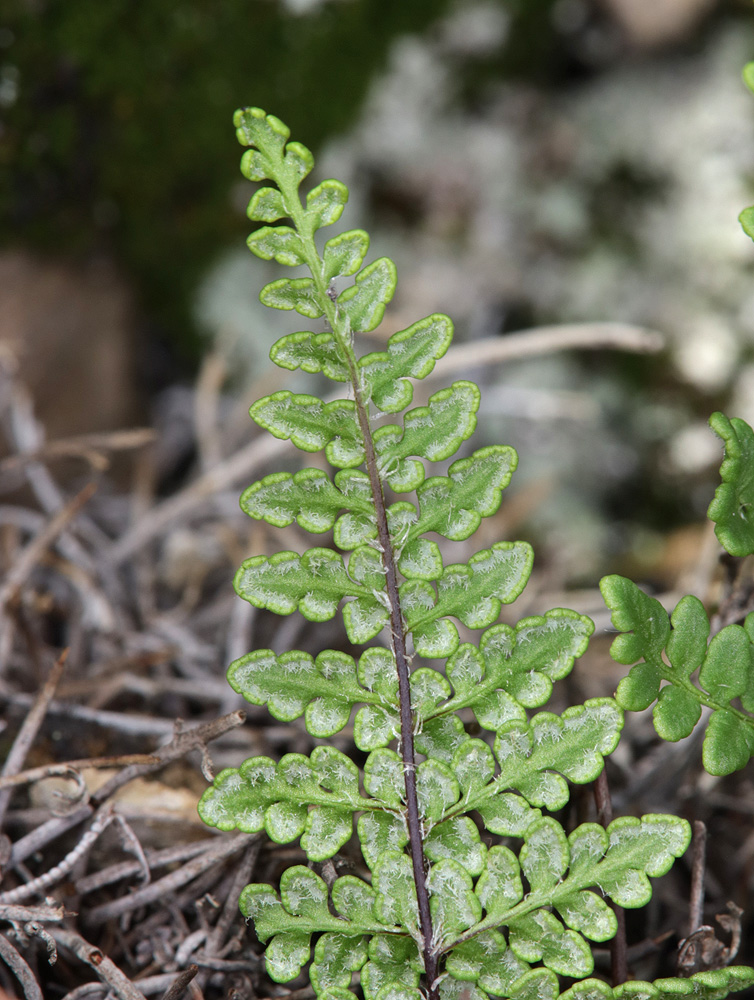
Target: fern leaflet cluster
[{"x": 437, "y": 910}]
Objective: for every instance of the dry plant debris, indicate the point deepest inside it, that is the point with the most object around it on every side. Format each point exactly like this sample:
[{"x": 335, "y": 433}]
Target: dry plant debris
[{"x": 116, "y": 622}]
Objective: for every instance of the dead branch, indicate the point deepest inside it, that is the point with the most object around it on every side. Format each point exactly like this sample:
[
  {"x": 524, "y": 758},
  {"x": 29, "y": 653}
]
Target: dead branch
[
  {"x": 221, "y": 850},
  {"x": 54, "y": 875},
  {"x": 91, "y": 447},
  {"x": 28, "y": 731},
  {"x": 549, "y": 340},
  {"x": 37, "y": 546},
  {"x": 105, "y": 968},
  {"x": 63, "y": 770},
  {"x": 20, "y": 969},
  {"x": 23, "y": 914},
  {"x": 181, "y": 983},
  {"x": 155, "y": 859}
]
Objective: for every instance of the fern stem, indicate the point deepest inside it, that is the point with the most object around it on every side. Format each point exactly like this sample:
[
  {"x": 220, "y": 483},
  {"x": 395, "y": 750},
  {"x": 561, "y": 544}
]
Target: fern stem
[
  {"x": 398, "y": 639},
  {"x": 398, "y": 642},
  {"x": 618, "y": 945}
]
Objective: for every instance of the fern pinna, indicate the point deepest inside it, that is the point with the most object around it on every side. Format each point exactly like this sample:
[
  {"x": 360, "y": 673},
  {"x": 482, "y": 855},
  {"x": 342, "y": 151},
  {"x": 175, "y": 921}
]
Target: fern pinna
[{"x": 438, "y": 913}]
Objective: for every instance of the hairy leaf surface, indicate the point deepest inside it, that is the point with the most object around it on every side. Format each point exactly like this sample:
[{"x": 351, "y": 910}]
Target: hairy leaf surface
[
  {"x": 312, "y": 353},
  {"x": 309, "y": 497},
  {"x": 312, "y": 425},
  {"x": 434, "y": 432},
  {"x": 410, "y": 353}
]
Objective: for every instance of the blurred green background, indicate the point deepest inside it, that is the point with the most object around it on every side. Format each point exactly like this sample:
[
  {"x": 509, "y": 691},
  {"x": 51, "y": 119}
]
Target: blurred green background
[
  {"x": 116, "y": 129},
  {"x": 117, "y": 119},
  {"x": 524, "y": 161}
]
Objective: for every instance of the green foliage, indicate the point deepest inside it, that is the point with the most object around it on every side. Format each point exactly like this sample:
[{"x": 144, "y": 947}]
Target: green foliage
[
  {"x": 436, "y": 909},
  {"x": 724, "y": 671},
  {"x": 732, "y": 509},
  {"x": 716, "y": 674}
]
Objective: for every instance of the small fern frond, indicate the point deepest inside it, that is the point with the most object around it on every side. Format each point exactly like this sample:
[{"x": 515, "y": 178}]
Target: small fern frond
[{"x": 724, "y": 671}]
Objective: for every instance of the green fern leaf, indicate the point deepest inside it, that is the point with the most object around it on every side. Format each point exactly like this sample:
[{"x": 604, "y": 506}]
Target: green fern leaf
[
  {"x": 287, "y": 684},
  {"x": 308, "y": 497},
  {"x": 336, "y": 957},
  {"x": 255, "y": 166},
  {"x": 641, "y": 618},
  {"x": 500, "y": 888},
  {"x": 256, "y": 128},
  {"x": 541, "y": 937},
  {"x": 637, "y": 848},
  {"x": 312, "y": 425},
  {"x": 286, "y": 955},
  {"x": 746, "y": 218},
  {"x": 278, "y": 243},
  {"x": 396, "y": 903},
  {"x": 441, "y": 737},
  {"x": 473, "y": 592},
  {"x": 435, "y": 431},
  {"x": 424, "y": 773},
  {"x": 732, "y": 508},
  {"x": 325, "y": 204},
  {"x": 410, "y": 353},
  {"x": 312, "y": 353},
  {"x": 264, "y": 795},
  {"x": 618, "y": 860},
  {"x": 536, "y": 757},
  {"x": 393, "y": 965},
  {"x": 728, "y": 742},
  {"x": 487, "y": 961},
  {"x": 293, "y": 293},
  {"x": 437, "y": 791},
  {"x": 453, "y": 903},
  {"x": 589, "y": 914},
  {"x": 300, "y": 911},
  {"x": 267, "y": 205},
  {"x": 523, "y": 661},
  {"x": 545, "y": 856},
  {"x": 588, "y": 989},
  {"x": 539, "y": 984},
  {"x": 344, "y": 254},
  {"x": 363, "y": 304},
  {"x": 324, "y": 690},
  {"x": 457, "y": 839},
  {"x": 454, "y": 505},
  {"x": 314, "y": 583},
  {"x": 383, "y": 777},
  {"x": 725, "y": 673},
  {"x": 381, "y": 833},
  {"x": 507, "y": 814},
  {"x": 298, "y": 162}
]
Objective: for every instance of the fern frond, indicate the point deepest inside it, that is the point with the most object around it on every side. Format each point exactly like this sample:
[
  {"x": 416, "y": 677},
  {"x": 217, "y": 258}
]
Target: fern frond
[
  {"x": 441, "y": 913},
  {"x": 724, "y": 672}
]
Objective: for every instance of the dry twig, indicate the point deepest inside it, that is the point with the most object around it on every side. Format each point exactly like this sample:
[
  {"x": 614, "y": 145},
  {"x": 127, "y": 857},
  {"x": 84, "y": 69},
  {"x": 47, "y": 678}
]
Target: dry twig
[
  {"x": 54, "y": 875},
  {"x": 71, "y": 766},
  {"x": 28, "y": 731},
  {"x": 105, "y": 968},
  {"x": 20, "y": 969},
  {"x": 222, "y": 849}
]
